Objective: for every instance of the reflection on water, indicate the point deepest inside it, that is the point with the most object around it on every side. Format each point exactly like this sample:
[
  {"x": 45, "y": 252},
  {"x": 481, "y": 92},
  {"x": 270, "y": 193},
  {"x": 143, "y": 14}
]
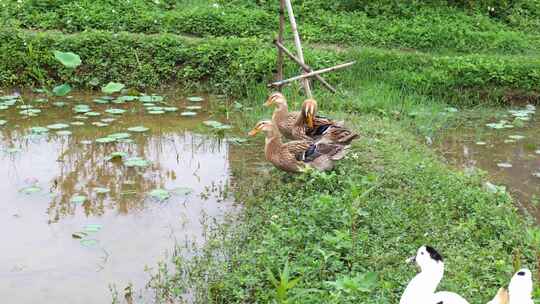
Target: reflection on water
[
  {"x": 123, "y": 230},
  {"x": 511, "y": 156}
]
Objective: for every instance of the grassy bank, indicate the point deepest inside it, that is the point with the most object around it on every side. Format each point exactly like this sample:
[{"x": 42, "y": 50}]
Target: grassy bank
[
  {"x": 427, "y": 26},
  {"x": 336, "y": 230},
  {"x": 231, "y": 65}
]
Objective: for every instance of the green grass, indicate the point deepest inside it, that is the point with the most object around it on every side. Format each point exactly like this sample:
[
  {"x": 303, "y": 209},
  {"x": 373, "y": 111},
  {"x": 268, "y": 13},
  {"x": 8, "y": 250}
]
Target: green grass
[
  {"x": 232, "y": 65},
  {"x": 389, "y": 197},
  {"x": 427, "y": 27}
]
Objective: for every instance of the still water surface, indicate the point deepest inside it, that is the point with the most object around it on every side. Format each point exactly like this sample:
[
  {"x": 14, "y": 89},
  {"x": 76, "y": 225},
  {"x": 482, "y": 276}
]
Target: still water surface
[
  {"x": 123, "y": 230},
  {"x": 508, "y": 151}
]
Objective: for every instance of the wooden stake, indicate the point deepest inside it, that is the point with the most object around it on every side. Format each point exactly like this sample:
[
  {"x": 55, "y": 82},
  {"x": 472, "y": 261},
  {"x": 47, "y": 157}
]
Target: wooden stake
[
  {"x": 311, "y": 74},
  {"x": 280, "y": 40},
  {"x": 298, "y": 44},
  {"x": 306, "y": 67}
]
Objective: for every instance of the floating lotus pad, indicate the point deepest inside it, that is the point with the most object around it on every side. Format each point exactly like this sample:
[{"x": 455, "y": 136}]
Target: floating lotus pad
[
  {"x": 3, "y": 122},
  {"x": 127, "y": 98},
  {"x": 195, "y": 99},
  {"x": 57, "y": 126},
  {"x": 59, "y": 104},
  {"x": 193, "y": 107},
  {"x": 516, "y": 137},
  {"x": 481, "y": 143},
  {"x": 100, "y": 124},
  {"x": 503, "y": 124},
  {"x": 101, "y": 190},
  {"x": 39, "y": 130},
  {"x": 537, "y": 152},
  {"x": 93, "y": 227},
  {"x": 216, "y": 124},
  {"x": 156, "y": 112},
  {"x": 105, "y": 140},
  {"x": 77, "y": 123},
  {"x": 63, "y": 133},
  {"x": 115, "y": 111},
  {"x": 92, "y": 114},
  {"x": 160, "y": 194},
  {"x": 504, "y": 165},
  {"x": 146, "y": 105},
  {"x": 187, "y": 114},
  {"x": 136, "y": 162},
  {"x": 151, "y": 98},
  {"x": 30, "y": 189},
  {"x": 30, "y": 112},
  {"x": 138, "y": 129},
  {"x": 170, "y": 109},
  {"x": 86, "y": 142},
  {"x": 119, "y": 135},
  {"x": 108, "y": 120},
  {"x": 101, "y": 101},
  {"x": 81, "y": 109},
  {"x": 40, "y": 100},
  {"x": 78, "y": 199},
  {"x": 62, "y": 90}
]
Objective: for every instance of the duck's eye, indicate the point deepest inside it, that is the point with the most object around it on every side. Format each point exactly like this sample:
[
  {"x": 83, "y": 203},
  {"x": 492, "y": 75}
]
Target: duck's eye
[{"x": 422, "y": 253}]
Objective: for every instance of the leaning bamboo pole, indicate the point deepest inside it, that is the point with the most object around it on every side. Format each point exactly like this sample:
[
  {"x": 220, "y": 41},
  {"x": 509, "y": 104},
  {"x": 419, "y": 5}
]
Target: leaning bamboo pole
[
  {"x": 311, "y": 74},
  {"x": 298, "y": 44},
  {"x": 280, "y": 40},
  {"x": 306, "y": 67}
]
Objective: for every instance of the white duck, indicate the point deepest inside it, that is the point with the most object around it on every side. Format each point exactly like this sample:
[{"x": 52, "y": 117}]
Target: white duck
[
  {"x": 521, "y": 287},
  {"x": 421, "y": 289}
]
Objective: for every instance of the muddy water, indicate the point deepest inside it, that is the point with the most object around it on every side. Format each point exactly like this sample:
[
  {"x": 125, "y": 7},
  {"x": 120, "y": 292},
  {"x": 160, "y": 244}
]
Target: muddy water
[
  {"x": 59, "y": 249},
  {"x": 510, "y": 155}
]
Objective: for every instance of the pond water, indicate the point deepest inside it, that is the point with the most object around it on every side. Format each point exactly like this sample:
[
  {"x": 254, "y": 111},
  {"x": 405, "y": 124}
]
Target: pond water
[
  {"x": 508, "y": 148},
  {"x": 80, "y": 213}
]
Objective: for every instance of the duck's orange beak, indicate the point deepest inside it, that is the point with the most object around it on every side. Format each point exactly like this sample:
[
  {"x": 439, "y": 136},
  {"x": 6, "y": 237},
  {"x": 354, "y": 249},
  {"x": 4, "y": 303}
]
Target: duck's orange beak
[
  {"x": 309, "y": 119},
  {"x": 268, "y": 102},
  {"x": 254, "y": 131}
]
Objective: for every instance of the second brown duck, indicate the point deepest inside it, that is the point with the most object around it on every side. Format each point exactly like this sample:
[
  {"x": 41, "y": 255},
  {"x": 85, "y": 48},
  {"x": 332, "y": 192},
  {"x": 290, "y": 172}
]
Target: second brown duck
[{"x": 305, "y": 124}]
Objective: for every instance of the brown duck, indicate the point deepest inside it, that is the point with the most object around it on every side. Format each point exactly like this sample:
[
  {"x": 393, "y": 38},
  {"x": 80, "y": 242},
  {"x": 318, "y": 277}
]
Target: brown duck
[
  {"x": 305, "y": 124},
  {"x": 296, "y": 155}
]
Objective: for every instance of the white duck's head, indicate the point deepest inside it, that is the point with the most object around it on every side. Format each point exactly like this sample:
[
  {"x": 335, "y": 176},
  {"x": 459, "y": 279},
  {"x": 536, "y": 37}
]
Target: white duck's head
[
  {"x": 427, "y": 258},
  {"x": 521, "y": 285}
]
